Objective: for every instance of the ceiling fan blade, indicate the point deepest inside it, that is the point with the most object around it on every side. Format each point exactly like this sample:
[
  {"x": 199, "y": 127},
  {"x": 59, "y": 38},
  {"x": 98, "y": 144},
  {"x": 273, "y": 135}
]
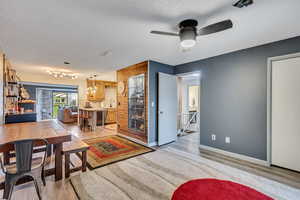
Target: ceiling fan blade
[
  {"x": 164, "y": 33},
  {"x": 217, "y": 27}
]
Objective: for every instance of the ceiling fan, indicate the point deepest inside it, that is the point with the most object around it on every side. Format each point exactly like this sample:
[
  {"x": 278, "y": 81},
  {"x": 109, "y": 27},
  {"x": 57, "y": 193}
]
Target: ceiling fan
[{"x": 188, "y": 31}]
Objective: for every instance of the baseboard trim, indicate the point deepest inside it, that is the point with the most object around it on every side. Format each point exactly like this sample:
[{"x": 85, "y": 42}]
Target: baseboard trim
[
  {"x": 235, "y": 155},
  {"x": 152, "y": 144}
]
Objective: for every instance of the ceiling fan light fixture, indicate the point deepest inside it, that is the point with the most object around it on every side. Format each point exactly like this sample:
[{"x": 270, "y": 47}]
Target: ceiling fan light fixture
[
  {"x": 188, "y": 43},
  {"x": 188, "y": 31},
  {"x": 188, "y": 37}
]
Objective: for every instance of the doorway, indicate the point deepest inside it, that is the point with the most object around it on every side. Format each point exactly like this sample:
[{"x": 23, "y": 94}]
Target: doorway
[
  {"x": 50, "y": 100},
  {"x": 63, "y": 99},
  {"x": 188, "y": 103},
  {"x": 44, "y": 104}
]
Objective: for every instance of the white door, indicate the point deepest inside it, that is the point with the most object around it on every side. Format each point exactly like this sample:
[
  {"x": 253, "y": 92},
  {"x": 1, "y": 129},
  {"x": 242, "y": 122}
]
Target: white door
[
  {"x": 286, "y": 113},
  {"x": 167, "y": 108}
]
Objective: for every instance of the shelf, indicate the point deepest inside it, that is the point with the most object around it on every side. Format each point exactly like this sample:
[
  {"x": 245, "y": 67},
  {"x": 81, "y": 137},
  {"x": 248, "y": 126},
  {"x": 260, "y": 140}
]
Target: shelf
[
  {"x": 12, "y": 96},
  {"x": 137, "y": 105},
  {"x": 137, "y": 130},
  {"x": 25, "y": 113},
  {"x": 133, "y": 109},
  {"x": 12, "y": 83},
  {"x": 137, "y": 119},
  {"x": 141, "y": 97},
  {"x": 26, "y": 102}
]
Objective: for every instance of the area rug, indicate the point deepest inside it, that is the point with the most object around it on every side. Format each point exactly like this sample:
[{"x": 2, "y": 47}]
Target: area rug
[
  {"x": 111, "y": 149},
  {"x": 156, "y": 175},
  {"x": 214, "y": 189}
]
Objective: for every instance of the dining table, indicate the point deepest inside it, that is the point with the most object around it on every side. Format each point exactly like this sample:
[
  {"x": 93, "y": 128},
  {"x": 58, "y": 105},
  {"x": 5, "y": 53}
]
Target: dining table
[{"x": 54, "y": 133}]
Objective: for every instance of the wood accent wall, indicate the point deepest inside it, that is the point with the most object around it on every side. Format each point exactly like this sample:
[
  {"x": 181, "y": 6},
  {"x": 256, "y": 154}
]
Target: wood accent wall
[
  {"x": 122, "y": 100},
  {"x": 2, "y": 58}
]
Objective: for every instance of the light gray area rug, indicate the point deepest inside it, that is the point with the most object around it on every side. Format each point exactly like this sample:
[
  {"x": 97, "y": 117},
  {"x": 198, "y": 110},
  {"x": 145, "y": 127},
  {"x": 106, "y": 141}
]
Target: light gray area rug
[{"x": 155, "y": 176}]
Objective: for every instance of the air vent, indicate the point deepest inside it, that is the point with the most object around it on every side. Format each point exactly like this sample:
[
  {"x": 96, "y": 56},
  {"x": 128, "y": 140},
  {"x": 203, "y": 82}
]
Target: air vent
[{"x": 243, "y": 3}]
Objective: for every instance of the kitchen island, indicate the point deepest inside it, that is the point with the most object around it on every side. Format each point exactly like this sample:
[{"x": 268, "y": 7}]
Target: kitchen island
[{"x": 90, "y": 117}]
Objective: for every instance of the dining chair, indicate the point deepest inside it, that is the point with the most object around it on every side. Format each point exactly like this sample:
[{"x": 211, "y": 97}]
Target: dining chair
[{"x": 25, "y": 165}]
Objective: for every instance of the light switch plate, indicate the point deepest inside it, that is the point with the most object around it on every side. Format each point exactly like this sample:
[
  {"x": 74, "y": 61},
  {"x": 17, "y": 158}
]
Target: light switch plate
[{"x": 213, "y": 137}]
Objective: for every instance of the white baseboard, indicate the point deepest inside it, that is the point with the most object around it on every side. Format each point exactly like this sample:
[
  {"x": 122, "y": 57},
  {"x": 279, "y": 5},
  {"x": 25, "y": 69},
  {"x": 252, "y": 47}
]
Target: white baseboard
[
  {"x": 152, "y": 144},
  {"x": 235, "y": 155}
]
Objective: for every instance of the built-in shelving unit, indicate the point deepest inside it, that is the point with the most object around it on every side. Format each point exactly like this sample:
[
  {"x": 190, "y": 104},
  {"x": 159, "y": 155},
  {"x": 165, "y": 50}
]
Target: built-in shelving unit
[
  {"x": 136, "y": 103},
  {"x": 16, "y": 109},
  {"x": 132, "y": 107}
]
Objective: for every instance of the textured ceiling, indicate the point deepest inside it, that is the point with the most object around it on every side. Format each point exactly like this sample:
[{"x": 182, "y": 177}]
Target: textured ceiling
[{"x": 104, "y": 35}]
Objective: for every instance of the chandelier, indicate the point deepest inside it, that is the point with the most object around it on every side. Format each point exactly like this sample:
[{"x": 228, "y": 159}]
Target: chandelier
[
  {"x": 60, "y": 74},
  {"x": 92, "y": 89}
]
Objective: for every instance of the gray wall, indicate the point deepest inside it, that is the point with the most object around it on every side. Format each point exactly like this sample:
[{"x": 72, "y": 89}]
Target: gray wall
[
  {"x": 31, "y": 89},
  {"x": 234, "y": 97},
  {"x": 154, "y": 68}
]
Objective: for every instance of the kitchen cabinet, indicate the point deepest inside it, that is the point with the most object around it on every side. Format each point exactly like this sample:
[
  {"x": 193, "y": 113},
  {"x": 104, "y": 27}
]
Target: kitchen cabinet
[{"x": 96, "y": 89}]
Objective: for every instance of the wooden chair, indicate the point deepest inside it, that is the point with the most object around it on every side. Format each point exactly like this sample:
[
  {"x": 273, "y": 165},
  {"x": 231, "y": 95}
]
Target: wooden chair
[
  {"x": 75, "y": 146},
  {"x": 25, "y": 165}
]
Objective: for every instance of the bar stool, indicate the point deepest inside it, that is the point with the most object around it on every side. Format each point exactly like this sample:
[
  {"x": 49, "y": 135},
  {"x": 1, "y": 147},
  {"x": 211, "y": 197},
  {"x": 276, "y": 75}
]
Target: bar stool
[{"x": 85, "y": 123}]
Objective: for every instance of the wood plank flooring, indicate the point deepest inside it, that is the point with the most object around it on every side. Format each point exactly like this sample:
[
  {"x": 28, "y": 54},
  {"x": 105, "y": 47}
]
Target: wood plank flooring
[
  {"x": 190, "y": 143},
  {"x": 61, "y": 190}
]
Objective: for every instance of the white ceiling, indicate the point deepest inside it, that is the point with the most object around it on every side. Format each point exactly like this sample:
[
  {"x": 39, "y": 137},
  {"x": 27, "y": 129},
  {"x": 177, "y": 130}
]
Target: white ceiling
[{"x": 38, "y": 34}]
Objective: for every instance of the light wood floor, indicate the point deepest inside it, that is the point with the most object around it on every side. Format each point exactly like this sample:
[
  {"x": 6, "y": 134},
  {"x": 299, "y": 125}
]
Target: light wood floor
[
  {"x": 61, "y": 190},
  {"x": 190, "y": 143}
]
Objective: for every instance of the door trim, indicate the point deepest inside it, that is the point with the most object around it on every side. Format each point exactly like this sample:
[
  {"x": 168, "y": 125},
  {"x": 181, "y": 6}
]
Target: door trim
[
  {"x": 269, "y": 101},
  {"x": 149, "y": 105}
]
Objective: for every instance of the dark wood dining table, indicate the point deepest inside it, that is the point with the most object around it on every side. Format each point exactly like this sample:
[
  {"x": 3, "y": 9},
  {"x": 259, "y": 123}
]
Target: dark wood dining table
[{"x": 50, "y": 130}]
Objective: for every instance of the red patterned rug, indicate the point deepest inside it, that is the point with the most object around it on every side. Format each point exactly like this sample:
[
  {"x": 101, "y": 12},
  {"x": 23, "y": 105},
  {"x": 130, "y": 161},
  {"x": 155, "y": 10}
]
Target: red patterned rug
[
  {"x": 111, "y": 149},
  {"x": 213, "y": 189}
]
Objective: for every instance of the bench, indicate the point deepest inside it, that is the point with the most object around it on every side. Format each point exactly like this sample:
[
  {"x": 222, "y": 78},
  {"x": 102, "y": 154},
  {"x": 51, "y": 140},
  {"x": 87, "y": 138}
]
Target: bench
[{"x": 75, "y": 146}]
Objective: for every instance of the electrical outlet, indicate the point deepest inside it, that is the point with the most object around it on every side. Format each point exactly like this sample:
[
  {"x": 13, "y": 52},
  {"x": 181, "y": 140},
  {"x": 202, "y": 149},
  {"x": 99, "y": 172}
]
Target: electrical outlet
[
  {"x": 227, "y": 140},
  {"x": 152, "y": 103},
  {"x": 213, "y": 137}
]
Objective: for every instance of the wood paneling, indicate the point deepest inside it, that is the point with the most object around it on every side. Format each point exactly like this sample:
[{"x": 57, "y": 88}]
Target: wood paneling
[
  {"x": 122, "y": 105},
  {"x": 111, "y": 116}
]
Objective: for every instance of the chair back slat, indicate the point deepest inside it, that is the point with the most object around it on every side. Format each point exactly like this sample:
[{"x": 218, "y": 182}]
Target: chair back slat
[{"x": 24, "y": 151}]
